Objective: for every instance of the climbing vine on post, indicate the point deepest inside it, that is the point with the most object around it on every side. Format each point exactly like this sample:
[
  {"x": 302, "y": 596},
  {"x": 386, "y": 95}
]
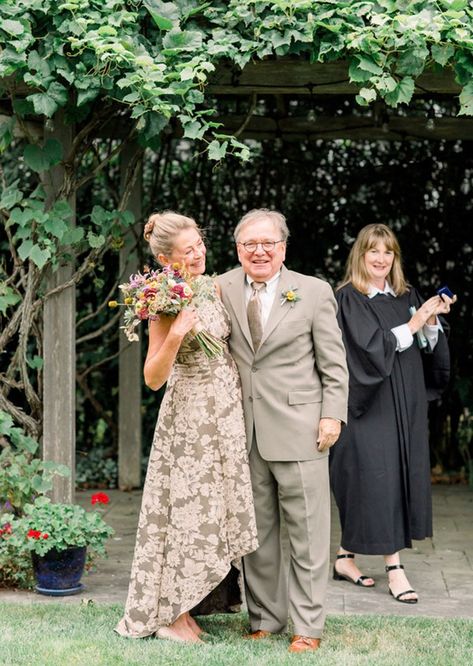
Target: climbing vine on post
[{"x": 131, "y": 71}]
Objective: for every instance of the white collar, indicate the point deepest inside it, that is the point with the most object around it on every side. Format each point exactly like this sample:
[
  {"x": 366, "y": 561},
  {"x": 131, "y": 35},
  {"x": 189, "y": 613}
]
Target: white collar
[
  {"x": 268, "y": 283},
  {"x": 373, "y": 291}
]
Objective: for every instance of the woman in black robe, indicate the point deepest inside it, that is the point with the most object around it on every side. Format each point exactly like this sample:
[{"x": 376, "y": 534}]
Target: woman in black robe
[{"x": 380, "y": 468}]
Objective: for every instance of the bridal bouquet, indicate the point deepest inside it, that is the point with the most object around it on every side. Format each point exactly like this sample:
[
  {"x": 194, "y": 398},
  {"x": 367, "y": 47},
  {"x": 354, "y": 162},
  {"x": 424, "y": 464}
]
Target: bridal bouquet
[{"x": 166, "y": 291}]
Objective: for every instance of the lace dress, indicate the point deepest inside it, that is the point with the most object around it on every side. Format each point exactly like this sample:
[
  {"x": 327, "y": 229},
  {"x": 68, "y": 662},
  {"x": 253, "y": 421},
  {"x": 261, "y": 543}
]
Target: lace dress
[{"x": 197, "y": 512}]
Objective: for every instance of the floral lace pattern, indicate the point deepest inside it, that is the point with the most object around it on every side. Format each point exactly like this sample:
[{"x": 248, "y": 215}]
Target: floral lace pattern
[{"x": 197, "y": 510}]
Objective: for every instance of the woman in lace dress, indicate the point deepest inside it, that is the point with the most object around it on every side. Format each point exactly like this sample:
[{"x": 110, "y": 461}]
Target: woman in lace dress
[{"x": 197, "y": 511}]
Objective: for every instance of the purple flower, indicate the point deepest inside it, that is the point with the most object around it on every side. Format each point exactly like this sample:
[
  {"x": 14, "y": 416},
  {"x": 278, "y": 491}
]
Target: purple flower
[{"x": 136, "y": 281}]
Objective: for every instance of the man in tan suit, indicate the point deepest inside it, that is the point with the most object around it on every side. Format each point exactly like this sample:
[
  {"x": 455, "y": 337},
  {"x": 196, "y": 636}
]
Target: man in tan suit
[{"x": 288, "y": 347}]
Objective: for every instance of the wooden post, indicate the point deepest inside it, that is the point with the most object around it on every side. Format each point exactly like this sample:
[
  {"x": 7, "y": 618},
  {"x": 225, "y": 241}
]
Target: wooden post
[
  {"x": 59, "y": 330},
  {"x": 130, "y": 363}
]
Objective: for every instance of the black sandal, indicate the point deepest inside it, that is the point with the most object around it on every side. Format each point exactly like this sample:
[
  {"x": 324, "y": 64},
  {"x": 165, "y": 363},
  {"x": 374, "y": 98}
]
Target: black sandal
[
  {"x": 401, "y": 594},
  {"x": 358, "y": 581}
]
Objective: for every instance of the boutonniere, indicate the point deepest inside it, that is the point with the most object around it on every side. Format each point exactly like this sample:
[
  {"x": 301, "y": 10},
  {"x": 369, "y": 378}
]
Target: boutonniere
[{"x": 290, "y": 296}]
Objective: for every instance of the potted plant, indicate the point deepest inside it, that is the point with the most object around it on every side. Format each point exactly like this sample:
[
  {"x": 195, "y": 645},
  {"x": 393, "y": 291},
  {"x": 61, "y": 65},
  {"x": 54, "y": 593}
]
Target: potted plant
[
  {"x": 24, "y": 477},
  {"x": 63, "y": 539}
]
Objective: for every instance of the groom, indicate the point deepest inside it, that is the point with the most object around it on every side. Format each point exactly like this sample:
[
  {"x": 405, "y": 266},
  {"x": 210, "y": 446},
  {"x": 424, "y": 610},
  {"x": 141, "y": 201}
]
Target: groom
[{"x": 287, "y": 344}]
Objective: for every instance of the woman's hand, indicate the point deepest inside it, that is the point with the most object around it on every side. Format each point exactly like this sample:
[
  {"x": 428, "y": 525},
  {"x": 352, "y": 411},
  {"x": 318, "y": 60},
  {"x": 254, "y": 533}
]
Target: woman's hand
[
  {"x": 184, "y": 322},
  {"x": 445, "y": 303},
  {"x": 428, "y": 312},
  {"x": 165, "y": 338}
]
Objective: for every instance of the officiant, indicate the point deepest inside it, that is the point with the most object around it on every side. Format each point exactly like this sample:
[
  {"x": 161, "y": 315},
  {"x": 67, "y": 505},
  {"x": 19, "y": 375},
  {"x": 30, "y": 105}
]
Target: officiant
[{"x": 398, "y": 358}]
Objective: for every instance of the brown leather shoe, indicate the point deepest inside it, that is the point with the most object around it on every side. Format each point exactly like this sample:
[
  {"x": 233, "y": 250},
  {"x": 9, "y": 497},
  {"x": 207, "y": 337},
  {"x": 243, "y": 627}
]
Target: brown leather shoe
[
  {"x": 303, "y": 644},
  {"x": 257, "y": 635}
]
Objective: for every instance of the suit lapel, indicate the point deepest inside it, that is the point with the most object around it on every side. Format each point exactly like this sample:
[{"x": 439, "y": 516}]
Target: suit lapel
[
  {"x": 236, "y": 298},
  {"x": 279, "y": 310}
]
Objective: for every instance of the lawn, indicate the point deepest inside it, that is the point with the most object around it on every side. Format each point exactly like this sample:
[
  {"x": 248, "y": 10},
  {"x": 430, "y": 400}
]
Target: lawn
[{"x": 55, "y": 634}]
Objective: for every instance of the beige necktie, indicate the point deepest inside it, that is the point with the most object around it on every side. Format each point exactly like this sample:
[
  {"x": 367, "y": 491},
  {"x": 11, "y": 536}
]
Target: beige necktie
[{"x": 254, "y": 313}]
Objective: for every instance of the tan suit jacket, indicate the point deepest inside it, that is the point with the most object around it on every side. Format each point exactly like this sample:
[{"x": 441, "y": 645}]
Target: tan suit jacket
[{"x": 298, "y": 374}]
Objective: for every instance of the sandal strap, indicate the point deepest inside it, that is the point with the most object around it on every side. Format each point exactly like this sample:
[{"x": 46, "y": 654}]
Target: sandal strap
[
  {"x": 392, "y": 567},
  {"x": 350, "y": 555},
  {"x": 401, "y": 594}
]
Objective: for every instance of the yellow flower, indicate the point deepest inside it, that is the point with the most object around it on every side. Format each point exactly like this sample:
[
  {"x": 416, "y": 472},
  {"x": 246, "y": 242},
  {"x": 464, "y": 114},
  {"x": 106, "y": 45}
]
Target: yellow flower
[
  {"x": 176, "y": 266},
  {"x": 112, "y": 304},
  {"x": 128, "y": 300},
  {"x": 290, "y": 296}
]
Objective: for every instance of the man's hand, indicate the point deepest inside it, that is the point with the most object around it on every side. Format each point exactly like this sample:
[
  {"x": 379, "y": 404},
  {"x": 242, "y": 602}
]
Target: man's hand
[{"x": 329, "y": 432}]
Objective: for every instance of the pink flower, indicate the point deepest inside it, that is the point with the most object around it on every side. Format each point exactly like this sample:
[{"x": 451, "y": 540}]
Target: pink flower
[
  {"x": 178, "y": 289},
  {"x": 142, "y": 313},
  {"x": 100, "y": 498},
  {"x": 182, "y": 289}
]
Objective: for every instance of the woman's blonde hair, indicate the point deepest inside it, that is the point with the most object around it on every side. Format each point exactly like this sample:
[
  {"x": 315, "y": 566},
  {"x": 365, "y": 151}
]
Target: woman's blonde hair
[
  {"x": 356, "y": 273},
  {"x": 162, "y": 228}
]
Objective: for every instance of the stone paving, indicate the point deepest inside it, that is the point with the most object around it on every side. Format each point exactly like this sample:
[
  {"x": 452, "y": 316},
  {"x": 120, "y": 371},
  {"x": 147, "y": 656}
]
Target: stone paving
[{"x": 440, "y": 569}]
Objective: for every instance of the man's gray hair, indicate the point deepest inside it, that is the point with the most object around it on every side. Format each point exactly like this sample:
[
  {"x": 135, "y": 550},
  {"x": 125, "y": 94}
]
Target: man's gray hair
[{"x": 275, "y": 216}]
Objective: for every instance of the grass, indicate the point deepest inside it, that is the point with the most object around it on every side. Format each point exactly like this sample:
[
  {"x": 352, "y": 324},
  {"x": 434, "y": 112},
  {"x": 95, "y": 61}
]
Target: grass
[{"x": 54, "y": 634}]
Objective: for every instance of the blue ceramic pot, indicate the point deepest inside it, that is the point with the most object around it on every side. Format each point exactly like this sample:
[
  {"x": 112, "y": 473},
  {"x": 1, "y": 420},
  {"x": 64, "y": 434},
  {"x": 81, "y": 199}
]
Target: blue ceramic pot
[{"x": 58, "y": 573}]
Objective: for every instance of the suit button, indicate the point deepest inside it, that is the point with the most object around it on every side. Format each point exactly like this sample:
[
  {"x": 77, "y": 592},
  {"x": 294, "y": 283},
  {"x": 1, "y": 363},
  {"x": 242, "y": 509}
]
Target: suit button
[
  {"x": 250, "y": 399},
  {"x": 253, "y": 369}
]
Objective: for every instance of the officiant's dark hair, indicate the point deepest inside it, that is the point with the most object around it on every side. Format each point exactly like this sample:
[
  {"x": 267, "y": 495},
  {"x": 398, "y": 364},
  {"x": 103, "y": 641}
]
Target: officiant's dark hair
[{"x": 356, "y": 273}]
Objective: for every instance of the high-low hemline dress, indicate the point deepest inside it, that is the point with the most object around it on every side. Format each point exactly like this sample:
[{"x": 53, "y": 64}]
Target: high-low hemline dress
[{"x": 197, "y": 514}]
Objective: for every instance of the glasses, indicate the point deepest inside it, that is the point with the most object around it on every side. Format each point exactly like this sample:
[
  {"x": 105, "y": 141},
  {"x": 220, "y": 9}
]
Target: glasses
[{"x": 268, "y": 246}]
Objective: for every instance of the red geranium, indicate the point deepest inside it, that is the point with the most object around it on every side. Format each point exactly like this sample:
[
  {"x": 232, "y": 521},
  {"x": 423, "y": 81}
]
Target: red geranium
[
  {"x": 6, "y": 529},
  {"x": 100, "y": 498},
  {"x": 34, "y": 534}
]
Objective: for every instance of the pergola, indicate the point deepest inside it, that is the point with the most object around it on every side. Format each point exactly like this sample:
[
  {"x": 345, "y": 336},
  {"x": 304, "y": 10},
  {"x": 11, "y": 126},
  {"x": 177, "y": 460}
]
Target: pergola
[
  {"x": 327, "y": 85},
  {"x": 324, "y": 87}
]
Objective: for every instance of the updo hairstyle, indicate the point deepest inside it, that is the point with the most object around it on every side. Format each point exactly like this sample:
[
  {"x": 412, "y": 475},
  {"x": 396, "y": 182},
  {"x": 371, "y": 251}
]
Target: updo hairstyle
[{"x": 162, "y": 228}]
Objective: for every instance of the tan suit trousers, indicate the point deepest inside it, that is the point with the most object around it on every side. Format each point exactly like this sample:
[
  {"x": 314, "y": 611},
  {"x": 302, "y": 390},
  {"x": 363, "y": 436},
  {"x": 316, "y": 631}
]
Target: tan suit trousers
[{"x": 299, "y": 491}]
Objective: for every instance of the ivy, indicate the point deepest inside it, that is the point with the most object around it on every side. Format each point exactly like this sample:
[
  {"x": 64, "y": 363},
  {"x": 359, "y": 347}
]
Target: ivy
[
  {"x": 42, "y": 158},
  {"x": 156, "y": 56},
  {"x": 146, "y": 65}
]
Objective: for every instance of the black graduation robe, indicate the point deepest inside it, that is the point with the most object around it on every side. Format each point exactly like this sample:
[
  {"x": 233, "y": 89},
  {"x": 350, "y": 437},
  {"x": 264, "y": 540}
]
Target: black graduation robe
[{"x": 380, "y": 467}]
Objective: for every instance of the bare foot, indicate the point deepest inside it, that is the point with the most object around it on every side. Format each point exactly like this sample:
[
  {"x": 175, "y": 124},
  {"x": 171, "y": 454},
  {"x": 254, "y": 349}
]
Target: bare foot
[
  {"x": 179, "y": 631},
  {"x": 346, "y": 567},
  {"x": 192, "y": 624},
  {"x": 398, "y": 584}
]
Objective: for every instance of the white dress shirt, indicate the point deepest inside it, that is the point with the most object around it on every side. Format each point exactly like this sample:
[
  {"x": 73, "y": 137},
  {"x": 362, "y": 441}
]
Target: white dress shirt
[
  {"x": 266, "y": 297},
  {"x": 403, "y": 333}
]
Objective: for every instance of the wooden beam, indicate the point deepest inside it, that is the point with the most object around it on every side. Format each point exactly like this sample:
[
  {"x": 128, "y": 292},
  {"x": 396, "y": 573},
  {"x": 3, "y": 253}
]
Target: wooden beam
[
  {"x": 291, "y": 76},
  {"x": 59, "y": 329},
  {"x": 350, "y": 127},
  {"x": 130, "y": 363}
]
